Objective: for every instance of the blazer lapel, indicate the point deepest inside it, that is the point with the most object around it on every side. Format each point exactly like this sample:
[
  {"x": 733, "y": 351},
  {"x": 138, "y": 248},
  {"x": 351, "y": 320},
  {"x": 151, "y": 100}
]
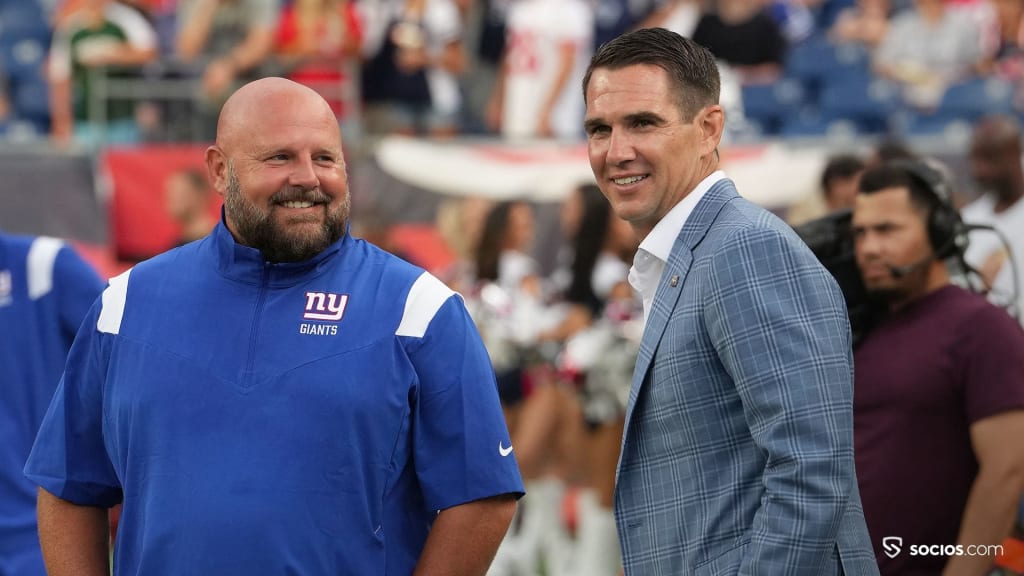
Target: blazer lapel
[{"x": 672, "y": 279}]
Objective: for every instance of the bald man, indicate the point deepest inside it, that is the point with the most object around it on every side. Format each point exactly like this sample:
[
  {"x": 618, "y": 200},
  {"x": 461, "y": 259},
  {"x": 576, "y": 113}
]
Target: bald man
[
  {"x": 279, "y": 397},
  {"x": 995, "y": 164}
]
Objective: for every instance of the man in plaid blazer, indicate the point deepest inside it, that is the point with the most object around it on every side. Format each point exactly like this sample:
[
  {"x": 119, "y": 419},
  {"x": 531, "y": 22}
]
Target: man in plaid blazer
[{"x": 737, "y": 456}]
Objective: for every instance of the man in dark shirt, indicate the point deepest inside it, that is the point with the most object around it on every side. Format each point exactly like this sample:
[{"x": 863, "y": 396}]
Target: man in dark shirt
[{"x": 939, "y": 387}]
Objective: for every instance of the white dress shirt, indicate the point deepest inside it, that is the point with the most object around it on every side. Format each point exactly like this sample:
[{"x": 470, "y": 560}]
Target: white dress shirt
[{"x": 652, "y": 256}]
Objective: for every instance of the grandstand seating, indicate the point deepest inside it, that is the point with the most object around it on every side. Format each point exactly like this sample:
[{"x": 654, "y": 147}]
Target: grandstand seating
[
  {"x": 827, "y": 89},
  {"x": 25, "y": 39}
]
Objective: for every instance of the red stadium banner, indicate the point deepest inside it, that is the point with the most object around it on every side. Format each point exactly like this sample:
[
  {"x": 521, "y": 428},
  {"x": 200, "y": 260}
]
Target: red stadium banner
[{"x": 139, "y": 225}]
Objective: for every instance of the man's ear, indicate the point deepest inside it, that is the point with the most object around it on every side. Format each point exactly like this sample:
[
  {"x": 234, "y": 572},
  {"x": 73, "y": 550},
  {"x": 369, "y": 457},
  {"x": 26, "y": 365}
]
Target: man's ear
[
  {"x": 217, "y": 168},
  {"x": 711, "y": 121}
]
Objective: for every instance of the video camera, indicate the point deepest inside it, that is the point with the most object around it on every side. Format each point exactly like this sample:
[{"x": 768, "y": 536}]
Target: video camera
[{"x": 830, "y": 238}]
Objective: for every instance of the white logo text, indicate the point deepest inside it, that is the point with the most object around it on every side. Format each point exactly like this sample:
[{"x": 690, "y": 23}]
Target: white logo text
[{"x": 325, "y": 306}]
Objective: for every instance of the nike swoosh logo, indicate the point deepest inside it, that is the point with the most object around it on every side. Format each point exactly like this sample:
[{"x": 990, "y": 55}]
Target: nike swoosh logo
[{"x": 504, "y": 451}]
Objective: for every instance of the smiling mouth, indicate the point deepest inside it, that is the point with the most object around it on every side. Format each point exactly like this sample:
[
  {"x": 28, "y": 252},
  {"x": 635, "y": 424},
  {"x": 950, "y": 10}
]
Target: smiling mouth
[
  {"x": 629, "y": 180},
  {"x": 298, "y": 204}
]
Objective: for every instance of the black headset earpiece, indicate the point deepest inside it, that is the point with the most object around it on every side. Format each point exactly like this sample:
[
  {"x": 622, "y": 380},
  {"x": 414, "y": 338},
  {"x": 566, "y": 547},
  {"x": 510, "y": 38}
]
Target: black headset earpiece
[{"x": 946, "y": 230}]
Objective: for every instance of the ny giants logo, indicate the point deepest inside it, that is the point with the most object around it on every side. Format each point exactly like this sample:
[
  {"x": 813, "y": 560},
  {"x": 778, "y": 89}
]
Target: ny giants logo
[{"x": 325, "y": 306}]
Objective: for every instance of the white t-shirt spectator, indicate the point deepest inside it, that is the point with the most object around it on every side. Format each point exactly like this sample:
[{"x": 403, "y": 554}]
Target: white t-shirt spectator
[{"x": 537, "y": 30}]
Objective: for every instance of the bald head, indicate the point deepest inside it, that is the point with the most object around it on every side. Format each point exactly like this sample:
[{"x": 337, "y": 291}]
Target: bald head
[
  {"x": 995, "y": 159},
  {"x": 998, "y": 132},
  {"x": 245, "y": 113}
]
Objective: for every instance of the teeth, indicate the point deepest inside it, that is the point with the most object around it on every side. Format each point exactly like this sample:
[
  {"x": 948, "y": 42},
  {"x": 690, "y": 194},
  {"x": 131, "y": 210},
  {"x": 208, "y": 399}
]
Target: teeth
[
  {"x": 297, "y": 204},
  {"x": 630, "y": 180}
]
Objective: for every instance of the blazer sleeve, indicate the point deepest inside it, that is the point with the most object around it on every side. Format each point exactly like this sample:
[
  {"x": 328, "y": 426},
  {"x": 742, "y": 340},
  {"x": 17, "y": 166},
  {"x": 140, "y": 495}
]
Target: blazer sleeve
[{"x": 779, "y": 325}]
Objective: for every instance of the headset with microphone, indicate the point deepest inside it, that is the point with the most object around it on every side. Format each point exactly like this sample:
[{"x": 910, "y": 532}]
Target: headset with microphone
[
  {"x": 831, "y": 240},
  {"x": 947, "y": 233}
]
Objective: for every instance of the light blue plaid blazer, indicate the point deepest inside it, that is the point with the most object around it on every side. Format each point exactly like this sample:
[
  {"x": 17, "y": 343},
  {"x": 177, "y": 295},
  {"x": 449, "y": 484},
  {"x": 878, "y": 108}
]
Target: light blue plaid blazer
[{"x": 737, "y": 456}]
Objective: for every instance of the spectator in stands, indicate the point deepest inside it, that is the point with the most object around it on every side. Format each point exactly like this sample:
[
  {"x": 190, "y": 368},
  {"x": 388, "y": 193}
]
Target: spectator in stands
[
  {"x": 838, "y": 188},
  {"x": 794, "y": 17},
  {"x": 187, "y": 200},
  {"x": 864, "y": 23},
  {"x": 926, "y": 49},
  {"x": 744, "y": 35},
  {"x": 679, "y": 16},
  {"x": 411, "y": 84},
  {"x": 318, "y": 42},
  {"x": 546, "y": 52},
  {"x": 939, "y": 381},
  {"x": 839, "y": 181},
  {"x": 995, "y": 165},
  {"x": 229, "y": 39},
  {"x": 889, "y": 149},
  {"x": 45, "y": 291},
  {"x": 102, "y": 38},
  {"x": 482, "y": 73},
  {"x": 1006, "y": 55}
]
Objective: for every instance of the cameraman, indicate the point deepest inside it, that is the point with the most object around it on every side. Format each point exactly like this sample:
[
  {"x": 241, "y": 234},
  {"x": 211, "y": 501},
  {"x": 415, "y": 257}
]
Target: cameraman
[{"x": 939, "y": 383}]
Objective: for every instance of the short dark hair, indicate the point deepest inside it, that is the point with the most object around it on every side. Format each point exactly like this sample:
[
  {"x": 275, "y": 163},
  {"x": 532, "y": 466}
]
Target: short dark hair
[
  {"x": 895, "y": 175},
  {"x": 889, "y": 149},
  {"x": 691, "y": 67},
  {"x": 839, "y": 167}
]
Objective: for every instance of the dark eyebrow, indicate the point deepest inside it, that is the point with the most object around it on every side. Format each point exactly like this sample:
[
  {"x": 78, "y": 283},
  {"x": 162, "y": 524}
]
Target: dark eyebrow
[
  {"x": 648, "y": 116},
  {"x": 593, "y": 123},
  {"x": 632, "y": 118}
]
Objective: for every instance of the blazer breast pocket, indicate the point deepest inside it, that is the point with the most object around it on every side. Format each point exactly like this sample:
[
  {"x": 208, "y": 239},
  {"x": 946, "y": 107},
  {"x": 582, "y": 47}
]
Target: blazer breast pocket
[{"x": 724, "y": 564}]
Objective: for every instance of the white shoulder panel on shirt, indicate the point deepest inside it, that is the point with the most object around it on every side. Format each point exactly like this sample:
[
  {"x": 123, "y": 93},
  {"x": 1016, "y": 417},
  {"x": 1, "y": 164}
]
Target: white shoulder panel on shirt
[
  {"x": 113, "y": 304},
  {"x": 39, "y": 265},
  {"x": 425, "y": 298}
]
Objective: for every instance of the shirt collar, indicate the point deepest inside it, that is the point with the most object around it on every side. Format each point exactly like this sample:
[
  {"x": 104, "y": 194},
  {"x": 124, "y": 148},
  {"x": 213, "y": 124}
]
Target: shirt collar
[
  {"x": 246, "y": 264},
  {"x": 662, "y": 238}
]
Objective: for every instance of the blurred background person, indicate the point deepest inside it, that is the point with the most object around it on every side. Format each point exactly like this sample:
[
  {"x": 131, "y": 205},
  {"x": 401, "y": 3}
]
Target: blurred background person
[
  {"x": 887, "y": 149},
  {"x": 744, "y": 35},
  {"x": 46, "y": 289},
  {"x": 506, "y": 291},
  {"x": 928, "y": 47},
  {"x": 227, "y": 41},
  {"x": 188, "y": 200},
  {"x": 995, "y": 166},
  {"x": 839, "y": 181},
  {"x": 548, "y": 44},
  {"x": 1005, "y": 37},
  {"x": 410, "y": 83},
  {"x": 865, "y": 23},
  {"x": 837, "y": 186},
  {"x": 509, "y": 300},
  {"x": 100, "y": 37},
  {"x": 600, "y": 335},
  {"x": 318, "y": 42}
]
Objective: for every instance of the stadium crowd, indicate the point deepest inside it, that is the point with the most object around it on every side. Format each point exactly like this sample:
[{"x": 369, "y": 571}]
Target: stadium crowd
[{"x": 124, "y": 71}]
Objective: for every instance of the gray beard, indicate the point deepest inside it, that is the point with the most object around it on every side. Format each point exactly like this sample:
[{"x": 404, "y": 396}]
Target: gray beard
[{"x": 258, "y": 229}]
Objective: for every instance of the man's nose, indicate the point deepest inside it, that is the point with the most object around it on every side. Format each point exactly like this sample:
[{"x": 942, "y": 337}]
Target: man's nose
[
  {"x": 304, "y": 173},
  {"x": 868, "y": 244},
  {"x": 620, "y": 147}
]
